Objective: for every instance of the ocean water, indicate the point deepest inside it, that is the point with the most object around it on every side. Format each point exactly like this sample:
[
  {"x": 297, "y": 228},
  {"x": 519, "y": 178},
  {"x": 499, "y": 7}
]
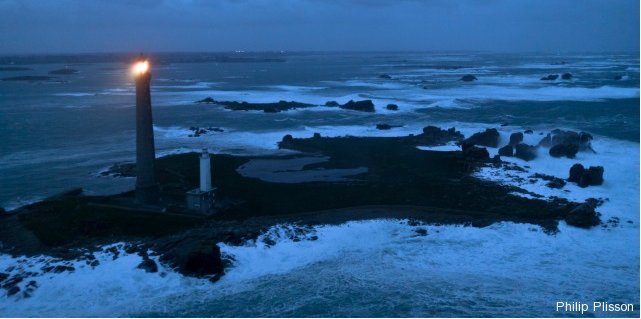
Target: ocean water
[{"x": 62, "y": 134}]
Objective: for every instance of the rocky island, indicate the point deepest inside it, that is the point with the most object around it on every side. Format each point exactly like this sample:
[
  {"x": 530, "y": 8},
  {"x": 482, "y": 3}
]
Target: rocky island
[{"x": 329, "y": 180}]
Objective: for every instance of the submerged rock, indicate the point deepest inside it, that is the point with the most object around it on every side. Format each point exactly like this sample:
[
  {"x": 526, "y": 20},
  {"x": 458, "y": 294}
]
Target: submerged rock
[
  {"x": 525, "y": 152},
  {"x": 618, "y": 77},
  {"x": 392, "y": 107},
  {"x": 490, "y": 138},
  {"x": 468, "y": 78},
  {"x": 385, "y": 76},
  {"x": 566, "y": 76}
]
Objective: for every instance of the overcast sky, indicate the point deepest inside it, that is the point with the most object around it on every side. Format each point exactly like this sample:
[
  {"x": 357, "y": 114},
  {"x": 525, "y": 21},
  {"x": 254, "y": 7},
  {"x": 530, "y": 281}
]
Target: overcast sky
[{"x": 54, "y": 26}]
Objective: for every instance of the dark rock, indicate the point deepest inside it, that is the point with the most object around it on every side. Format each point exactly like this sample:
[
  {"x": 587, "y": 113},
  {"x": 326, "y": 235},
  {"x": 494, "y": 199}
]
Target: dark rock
[
  {"x": 618, "y": 77},
  {"x": 468, "y": 78},
  {"x": 13, "y": 290},
  {"x": 506, "y": 150},
  {"x": 385, "y": 76},
  {"x": 392, "y": 107},
  {"x": 566, "y": 76},
  {"x": 567, "y": 150},
  {"x": 332, "y": 104},
  {"x": 288, "y": 138},
  {"x": 525, "y": 152},
  {"x": 58, "y": 269},
  {"x": 65, "y": 71},
  {"x": 421, "y": 231},
  {"x": 550, "y": 77},
  {"x": 12, "y": 282},
  {"x": 194, "y": 257},
  {"x": 528, "y": 132},
  {"x": 592, "y": 176},
  {"x": 553, "y": 182},
  {"x": 363, "y": 106},
  {"x": 569, "y": 140},
  {"x": 546, "y": 141},
  {"x": 516, "y": 138},
  {"x": 488, "y": 138},
  {"x": 317, "y": 135},
  {"x": 148, "y": 265},
  {"x": 207, "y": 100},
  {"x": 386, "y": 126},
  {"x": 3, "y": 276},
  {"x": 272, "y": 107},
  {"x": 595, "y": 175},
  {"x": 576, "y": 172},
  {"x": 474, "y": 153},
  {"x": 583, "y": 216},
  {"x": 435, "y": 135}
]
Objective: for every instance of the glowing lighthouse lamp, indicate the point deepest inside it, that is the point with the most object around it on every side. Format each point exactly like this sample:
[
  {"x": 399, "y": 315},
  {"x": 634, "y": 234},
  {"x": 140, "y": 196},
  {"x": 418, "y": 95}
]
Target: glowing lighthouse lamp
[{"x": 147, "y": 190}]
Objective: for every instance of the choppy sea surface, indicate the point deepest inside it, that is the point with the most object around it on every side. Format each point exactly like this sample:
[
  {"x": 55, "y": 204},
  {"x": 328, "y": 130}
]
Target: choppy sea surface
[{"x": 61, "y": 134}]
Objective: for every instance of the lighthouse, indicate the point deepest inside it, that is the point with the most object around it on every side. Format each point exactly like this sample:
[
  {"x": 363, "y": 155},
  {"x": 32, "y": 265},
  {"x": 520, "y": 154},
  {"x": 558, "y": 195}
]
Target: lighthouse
[
  {"x": 147, "y": 190},
  {"x": 201, "y": 200}
]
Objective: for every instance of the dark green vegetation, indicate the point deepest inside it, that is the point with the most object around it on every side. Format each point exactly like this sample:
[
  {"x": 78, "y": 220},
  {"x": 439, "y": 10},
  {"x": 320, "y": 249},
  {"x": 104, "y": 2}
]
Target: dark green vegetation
[{"x": 401, "y": 181}]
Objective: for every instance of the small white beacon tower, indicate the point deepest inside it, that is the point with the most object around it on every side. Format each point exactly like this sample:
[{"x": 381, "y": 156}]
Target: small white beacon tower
[{"x": 201, "y": 199}]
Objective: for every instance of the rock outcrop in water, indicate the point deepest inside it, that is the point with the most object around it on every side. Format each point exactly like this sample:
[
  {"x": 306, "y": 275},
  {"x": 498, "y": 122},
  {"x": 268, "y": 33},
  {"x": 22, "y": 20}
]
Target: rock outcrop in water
[
  {"x": 265, "y": 107},
  {"x": 515, "y": 138},
  {"x": 332, "y": 104},
  {"x": 392, "y": 107},
  {"x": 566, "y": 76},
  {"x": 506, "y": 150},
  {"x": 592, "y": 176},
  {"x": 468, "y": 78},
  {"x": 525, "y": 152},
  {"x": 385, "y": 76},
  {"x": 384, "y": 126},
  {"x": 363, "y": 106},
  {"x": 490, "y": 137},
  {"x": 567, "y": 143},
  {"x": 198, "y": 131},
  {"x": 550, "y": 77}
]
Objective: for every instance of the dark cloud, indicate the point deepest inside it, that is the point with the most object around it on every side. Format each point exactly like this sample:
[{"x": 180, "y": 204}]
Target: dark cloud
[{"x": 201, "y": 25}]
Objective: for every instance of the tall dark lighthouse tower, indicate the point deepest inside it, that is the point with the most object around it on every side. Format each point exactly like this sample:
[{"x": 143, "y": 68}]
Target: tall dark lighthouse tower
[{"x": 147, "y": 191}]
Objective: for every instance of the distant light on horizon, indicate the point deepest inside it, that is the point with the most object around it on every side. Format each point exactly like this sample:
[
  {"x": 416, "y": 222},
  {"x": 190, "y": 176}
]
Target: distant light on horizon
[{"x": 141, "y": 67}]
